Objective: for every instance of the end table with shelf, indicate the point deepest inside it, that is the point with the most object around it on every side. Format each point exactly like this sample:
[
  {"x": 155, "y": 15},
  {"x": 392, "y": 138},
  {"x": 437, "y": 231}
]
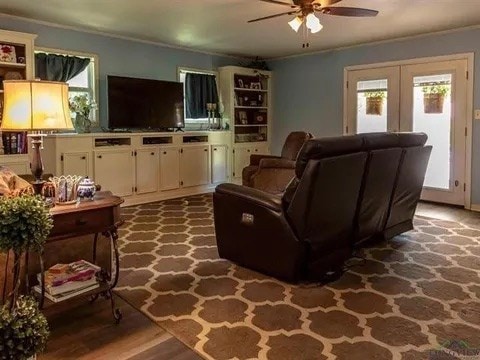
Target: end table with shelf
[{"x": 100, "y": 216}]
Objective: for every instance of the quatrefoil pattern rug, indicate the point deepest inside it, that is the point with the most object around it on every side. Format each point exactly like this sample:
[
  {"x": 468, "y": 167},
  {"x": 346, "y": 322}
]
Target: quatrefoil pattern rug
[{"x": 414, "y": 293}]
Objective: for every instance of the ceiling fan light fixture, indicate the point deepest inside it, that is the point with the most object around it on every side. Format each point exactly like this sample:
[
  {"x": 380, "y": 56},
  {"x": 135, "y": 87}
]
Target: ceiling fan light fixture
[
  {"x": 313, "y": 23},
  {"x": 295, "y": 23},
  {"x": 316, "y": 28}
]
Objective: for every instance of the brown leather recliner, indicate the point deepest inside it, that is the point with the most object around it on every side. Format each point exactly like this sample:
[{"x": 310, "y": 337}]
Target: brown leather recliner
[
  {"x": 347, "y": 190},
  {"x": 273, "y": 173}
]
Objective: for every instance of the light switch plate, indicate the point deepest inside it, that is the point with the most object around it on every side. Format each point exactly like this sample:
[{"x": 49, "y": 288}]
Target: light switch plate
[{"x": 477, "y": 114}]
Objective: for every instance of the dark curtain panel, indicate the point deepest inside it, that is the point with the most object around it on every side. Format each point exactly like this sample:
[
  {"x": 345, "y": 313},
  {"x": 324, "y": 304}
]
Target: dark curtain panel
[
  {"x": 200, "y": 89},
  {"x": 58, "y": 67}
]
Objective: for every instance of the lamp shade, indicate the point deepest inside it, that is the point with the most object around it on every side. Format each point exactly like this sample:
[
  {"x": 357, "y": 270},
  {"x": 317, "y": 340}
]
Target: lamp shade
[{"x": 35, "y": 105}]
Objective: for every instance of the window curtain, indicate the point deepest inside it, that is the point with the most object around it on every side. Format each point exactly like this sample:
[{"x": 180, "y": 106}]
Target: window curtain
[
  {"x": 200, "y": 89},
  {"x": 62, "y": 68}
]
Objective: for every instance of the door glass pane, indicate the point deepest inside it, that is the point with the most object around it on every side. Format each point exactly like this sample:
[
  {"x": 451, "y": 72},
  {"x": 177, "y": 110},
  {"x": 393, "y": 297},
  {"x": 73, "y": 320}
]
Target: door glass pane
[
  {"x": 432, "y": 115},
  {"x": 372, "y": 106}
]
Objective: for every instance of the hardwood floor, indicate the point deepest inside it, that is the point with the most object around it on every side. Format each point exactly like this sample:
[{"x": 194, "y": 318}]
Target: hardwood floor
[{"x": 87, "y": 331}]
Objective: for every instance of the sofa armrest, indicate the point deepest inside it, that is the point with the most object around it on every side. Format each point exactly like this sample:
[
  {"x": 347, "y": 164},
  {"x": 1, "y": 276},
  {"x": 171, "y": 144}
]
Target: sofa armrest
[
  {"x": 256, "y": 197},
  {"x": 256, "y": 158},
  {"x": 277, "y": 163}
]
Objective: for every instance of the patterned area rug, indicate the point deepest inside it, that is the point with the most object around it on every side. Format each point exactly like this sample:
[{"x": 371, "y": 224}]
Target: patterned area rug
[{"x": 413, "y": 295}]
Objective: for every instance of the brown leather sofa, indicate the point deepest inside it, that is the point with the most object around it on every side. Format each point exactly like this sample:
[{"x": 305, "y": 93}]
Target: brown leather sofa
[
  {"x": 347, "y": 190},
  {"x": 273, "y": 173}
]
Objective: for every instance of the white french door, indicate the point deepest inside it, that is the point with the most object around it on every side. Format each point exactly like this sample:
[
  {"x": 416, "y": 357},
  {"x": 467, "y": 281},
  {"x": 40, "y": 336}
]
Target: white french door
[{"x": 427, "y": 97}]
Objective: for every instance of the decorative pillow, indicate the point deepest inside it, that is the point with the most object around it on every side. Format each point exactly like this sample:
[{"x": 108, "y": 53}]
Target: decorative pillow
[{"x": 13, "y": 185}]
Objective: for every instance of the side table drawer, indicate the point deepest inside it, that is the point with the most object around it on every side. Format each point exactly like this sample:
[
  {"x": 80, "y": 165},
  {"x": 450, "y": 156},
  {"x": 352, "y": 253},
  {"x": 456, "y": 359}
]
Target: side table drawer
[{"x": 85, "y": 222}]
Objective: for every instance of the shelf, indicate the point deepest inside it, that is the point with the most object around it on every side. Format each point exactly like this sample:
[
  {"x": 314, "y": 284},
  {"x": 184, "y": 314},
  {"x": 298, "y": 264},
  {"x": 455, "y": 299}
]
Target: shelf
[
  {"x": 252, "y": 90},
  {"x": 247, "y": 125},
  {"x": 252, "y": 107},
  {"x": 12, "y": 65}
]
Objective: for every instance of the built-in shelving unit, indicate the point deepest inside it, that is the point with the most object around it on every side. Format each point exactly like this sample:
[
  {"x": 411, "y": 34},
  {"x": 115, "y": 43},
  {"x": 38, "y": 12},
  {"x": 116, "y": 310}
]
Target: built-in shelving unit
[
  {"x": 246, "y": 96},
  {"x": 16, "y": 63}
]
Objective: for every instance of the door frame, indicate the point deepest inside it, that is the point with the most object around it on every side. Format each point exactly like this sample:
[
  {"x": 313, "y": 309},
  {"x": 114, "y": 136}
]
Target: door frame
[{"x": 470, "y": 58}]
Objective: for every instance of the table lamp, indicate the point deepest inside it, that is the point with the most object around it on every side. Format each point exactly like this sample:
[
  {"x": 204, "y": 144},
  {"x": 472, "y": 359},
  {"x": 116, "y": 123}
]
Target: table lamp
[{"x": 36, "y": 107}]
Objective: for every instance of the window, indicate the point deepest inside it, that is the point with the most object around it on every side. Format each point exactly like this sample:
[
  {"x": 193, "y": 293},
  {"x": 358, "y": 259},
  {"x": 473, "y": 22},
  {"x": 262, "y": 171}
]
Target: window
[
  {"x": 189, "y": 122},
  {"x": 85, "y": 82}
]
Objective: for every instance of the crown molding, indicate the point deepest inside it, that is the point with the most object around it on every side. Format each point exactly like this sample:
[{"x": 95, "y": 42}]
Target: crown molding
[
  {"x": 378, "y": 42},
  {"x": 117, "y": 36}
]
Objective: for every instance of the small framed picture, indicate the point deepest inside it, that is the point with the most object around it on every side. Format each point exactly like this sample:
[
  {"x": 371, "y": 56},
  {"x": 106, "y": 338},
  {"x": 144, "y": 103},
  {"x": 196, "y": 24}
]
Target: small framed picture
[
  {"x": 256, "y": 85},
  {"x": 260, "y": 118},
  {"x": 240, "y": 83},
  {"x": 242, "y": 117}
]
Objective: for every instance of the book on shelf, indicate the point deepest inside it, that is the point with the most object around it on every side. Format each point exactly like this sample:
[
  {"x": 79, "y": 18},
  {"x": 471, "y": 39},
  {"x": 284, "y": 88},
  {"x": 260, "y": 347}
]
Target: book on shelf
[
  {"x": 65, "y": 278},
  {"x": 67, "y": 295}
]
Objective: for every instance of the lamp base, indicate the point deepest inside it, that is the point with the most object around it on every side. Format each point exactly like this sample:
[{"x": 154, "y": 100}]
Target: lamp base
[{"x": 36, "y": 166}]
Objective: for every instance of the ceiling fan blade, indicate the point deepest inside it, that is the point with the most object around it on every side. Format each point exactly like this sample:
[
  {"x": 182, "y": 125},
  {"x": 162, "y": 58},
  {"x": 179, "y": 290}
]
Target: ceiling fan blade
[
  {"x": 348, "y": 11},
  {"x": 280, "y": 3},
  {"x": 274, "y": 16},
  {"x": 324, "y": 3}
]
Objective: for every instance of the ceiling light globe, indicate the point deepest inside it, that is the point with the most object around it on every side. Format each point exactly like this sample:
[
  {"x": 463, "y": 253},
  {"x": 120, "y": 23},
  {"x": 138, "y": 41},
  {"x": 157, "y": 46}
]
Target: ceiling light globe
[
  {"x": 295, "y": 23},
  {"x": 311, "y": 20},
  {"x": 316, "y": 28}
]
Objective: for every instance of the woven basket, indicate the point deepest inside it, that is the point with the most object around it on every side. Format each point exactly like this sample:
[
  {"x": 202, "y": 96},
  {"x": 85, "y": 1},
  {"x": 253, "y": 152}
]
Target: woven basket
[{"x": 433, "y": 103}]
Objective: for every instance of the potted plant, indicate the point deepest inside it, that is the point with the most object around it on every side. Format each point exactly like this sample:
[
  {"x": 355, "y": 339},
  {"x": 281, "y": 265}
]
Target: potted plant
[
  {"x": 375, "y": 102},
  {"x": 25, "y": 224},
  {"x": 434, "y": 98},
  {"x": 81, "y": 106}
]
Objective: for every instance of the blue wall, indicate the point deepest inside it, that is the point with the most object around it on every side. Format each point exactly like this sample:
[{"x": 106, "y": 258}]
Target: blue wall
[
  {"x": 308, "y": 90},
  {"x": 117, "y": 56}
]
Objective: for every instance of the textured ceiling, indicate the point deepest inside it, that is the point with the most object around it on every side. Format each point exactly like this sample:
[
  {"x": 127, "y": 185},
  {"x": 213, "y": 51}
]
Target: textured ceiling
[{"x": 221, "y": 25}]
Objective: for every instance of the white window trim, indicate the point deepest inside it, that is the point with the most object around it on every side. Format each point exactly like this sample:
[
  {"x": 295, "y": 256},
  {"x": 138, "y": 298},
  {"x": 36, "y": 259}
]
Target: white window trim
[
  {"x": 180, "y": 70},
  {"x": 94, "y": 76}
]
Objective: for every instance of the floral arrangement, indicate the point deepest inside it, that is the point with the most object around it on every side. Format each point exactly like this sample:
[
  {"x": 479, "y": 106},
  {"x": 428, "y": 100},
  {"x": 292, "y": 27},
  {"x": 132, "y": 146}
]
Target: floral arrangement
[{"x": 81, "y": 104}]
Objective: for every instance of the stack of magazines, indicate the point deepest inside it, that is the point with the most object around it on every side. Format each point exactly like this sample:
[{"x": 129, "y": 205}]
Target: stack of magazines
[{"x": 64, "y": 281}]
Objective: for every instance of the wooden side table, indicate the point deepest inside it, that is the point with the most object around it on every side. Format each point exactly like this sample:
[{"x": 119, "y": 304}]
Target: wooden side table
[{"x": 100, "y": 216}]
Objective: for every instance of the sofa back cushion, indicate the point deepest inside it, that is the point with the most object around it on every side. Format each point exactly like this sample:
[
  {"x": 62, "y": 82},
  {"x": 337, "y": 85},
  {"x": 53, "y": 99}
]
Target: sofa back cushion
[{"x": 293, "y": 144}]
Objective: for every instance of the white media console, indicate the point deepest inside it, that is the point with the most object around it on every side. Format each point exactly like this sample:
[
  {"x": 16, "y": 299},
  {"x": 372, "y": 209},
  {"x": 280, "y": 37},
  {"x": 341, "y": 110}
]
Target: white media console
[{"x": 144, "y": 167}]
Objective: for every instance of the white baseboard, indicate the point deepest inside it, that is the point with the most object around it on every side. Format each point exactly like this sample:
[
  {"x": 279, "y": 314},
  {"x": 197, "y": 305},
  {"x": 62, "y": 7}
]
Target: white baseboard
[{"x": 475, "y": 207}]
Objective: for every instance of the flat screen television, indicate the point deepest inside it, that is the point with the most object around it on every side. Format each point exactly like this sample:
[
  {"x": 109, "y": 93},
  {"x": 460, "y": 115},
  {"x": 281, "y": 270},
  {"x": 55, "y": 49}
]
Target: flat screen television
[{"x": 144, "y": 104}]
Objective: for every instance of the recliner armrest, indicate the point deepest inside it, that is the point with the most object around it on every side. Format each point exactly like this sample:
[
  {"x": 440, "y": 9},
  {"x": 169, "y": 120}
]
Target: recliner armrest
[
  {"x": 256, "y": 158},
  {"x": 277, "y": 163},
  {"x": 257, "y": 197}
]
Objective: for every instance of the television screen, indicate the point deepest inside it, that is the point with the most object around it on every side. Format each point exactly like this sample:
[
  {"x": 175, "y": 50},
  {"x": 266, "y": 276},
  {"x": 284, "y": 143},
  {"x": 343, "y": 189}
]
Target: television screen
[{"x": 144, "y": 104}]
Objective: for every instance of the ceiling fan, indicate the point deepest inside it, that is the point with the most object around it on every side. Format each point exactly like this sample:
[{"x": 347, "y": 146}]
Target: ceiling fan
[{"x": 304, "y": 11}]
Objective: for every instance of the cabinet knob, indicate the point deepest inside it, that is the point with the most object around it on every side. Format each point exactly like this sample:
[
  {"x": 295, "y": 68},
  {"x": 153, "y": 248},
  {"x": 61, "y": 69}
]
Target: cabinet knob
[
  {"x": 256, "y": 150},
  {"x": 205, "y": 149},
  {"x": 83, "y": 158},
  {"x": 164, "y": 153},
  {"x": 248, "y": 150},
  {"x": 152, "y": 153},
  {"x": 214, "y": 149},
  {"x": 99, "y": 156}
]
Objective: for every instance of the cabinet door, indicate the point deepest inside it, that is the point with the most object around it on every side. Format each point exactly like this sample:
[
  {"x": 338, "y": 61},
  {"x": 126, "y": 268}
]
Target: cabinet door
[
  {"x": 261, "y": 149},
  {"x": 114, "y": 170},
  {"x": 219, "y": 163},
  {"x": 20, "y": 168},
  {"x": 147, "y": 171},
  {"x": 194, "y": 167},
  {"x": 169, "y": 168},
  {"x": 76, "y": 163},
  {"x": 241, "y": 159}
]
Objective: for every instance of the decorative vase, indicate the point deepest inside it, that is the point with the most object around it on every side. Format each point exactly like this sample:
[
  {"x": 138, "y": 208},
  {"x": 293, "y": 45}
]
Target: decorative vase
[
  {"x": 82, "y": 124},
  {"x": 79, "y": 123},
  {"x": 86, "y": 189},
  {"x": 433, "y": 103},
  {"x": 374, "y": 106}
]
